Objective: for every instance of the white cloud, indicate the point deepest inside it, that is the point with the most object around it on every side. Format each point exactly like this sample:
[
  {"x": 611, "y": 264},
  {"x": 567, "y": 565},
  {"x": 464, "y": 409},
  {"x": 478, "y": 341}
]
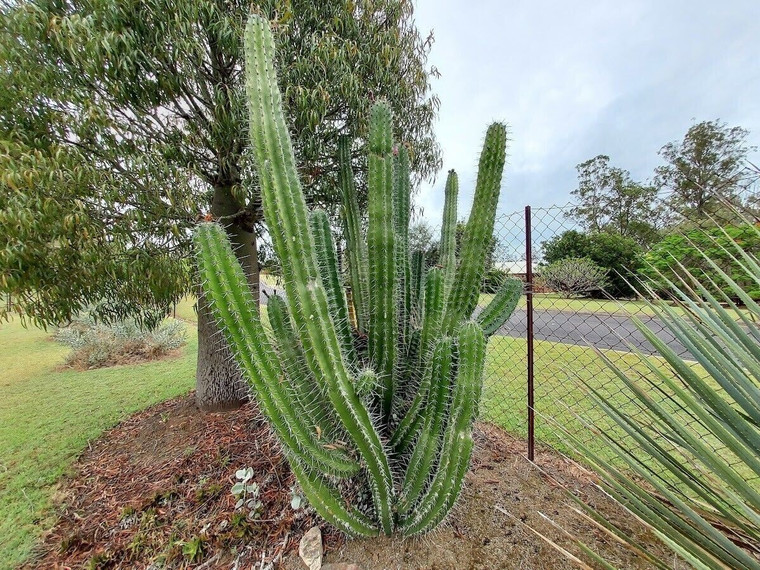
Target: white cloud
[{"x": 576, "y": 79}]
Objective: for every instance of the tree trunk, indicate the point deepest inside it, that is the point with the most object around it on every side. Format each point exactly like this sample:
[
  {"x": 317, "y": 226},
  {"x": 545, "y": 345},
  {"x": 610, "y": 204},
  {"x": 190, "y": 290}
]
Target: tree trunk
[{"x": 219, "y": 385}]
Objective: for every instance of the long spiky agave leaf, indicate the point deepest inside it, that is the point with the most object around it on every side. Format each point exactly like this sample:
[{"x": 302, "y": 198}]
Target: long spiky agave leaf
[{"x": 710, "y": 503}]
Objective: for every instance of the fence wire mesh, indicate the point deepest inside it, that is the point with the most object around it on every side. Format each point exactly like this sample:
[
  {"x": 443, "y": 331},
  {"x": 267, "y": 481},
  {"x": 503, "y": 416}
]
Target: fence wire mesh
[{"x": 571, "y": 333}]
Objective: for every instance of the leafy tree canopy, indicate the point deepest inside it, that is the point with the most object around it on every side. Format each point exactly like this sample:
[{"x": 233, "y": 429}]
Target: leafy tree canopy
[
  {"x": 620, "y": 256},
  {"x": 122, "y": 123},
  {"x": 682, "y": 253},
  {"x": 608, "y": 200},
  {"x": 706, "y": 172}
]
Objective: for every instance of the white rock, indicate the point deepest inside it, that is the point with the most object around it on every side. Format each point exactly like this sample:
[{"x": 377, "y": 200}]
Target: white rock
[{"x": 310, "y": 549}]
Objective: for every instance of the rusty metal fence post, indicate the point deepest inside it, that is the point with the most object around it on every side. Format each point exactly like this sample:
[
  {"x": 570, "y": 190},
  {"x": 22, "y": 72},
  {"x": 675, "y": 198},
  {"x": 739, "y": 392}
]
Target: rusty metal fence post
[{"x": 529, "y": 332}]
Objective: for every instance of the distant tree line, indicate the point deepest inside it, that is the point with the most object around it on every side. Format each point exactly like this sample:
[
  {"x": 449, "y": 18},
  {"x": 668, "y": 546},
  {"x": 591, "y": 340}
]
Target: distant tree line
[{"x": 703, "y": 194}]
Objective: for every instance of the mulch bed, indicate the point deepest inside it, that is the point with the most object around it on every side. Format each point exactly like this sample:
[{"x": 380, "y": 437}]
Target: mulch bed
[
  {"x": 154, "y": 492},
  {"x": 156, "y": 489}
]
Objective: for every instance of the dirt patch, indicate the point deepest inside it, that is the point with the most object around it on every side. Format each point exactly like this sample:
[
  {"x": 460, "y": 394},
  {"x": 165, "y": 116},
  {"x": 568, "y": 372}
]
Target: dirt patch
[
  {"x": 503, "y": 496},
  {"x": 155, "y": 492}
]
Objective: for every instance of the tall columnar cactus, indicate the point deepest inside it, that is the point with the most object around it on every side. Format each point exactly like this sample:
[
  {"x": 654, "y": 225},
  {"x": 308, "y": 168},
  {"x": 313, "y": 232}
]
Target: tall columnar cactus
[{"x": 380, "y": 385}]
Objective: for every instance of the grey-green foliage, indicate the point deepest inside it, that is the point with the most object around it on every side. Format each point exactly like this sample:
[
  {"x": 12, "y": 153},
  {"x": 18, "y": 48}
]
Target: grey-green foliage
[
  {"x": 95, "y": 344},
  {"x": 691, "y": 461},
  {"x": 381, "y": 385}
]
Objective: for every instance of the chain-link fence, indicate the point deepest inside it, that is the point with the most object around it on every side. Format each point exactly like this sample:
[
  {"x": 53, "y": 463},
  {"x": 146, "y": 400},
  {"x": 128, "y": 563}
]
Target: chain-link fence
[{"x": 551, "y": 350}]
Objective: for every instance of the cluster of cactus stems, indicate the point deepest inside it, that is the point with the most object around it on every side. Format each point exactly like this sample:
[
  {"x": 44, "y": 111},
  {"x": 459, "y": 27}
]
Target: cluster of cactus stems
[{"x": 379, "y": 386}]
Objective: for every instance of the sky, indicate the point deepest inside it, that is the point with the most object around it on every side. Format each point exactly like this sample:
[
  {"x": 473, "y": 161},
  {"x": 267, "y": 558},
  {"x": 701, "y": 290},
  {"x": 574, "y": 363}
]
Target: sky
[{"x": 577, "y": 78}]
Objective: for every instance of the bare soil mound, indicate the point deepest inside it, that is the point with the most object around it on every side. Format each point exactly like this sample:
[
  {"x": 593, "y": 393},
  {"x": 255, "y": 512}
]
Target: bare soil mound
[{"x": 154, "y": 492}]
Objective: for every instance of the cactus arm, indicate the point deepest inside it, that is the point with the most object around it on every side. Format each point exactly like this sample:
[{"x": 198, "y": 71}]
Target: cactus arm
[
  {"x": 286, "y": 215},
  {"x": 383, "y": 325},
  {"x": 418, "y": 284},
  {"x": 501, "y": 306},
  {"x": 469, "y": 274},
  {"x": 328, "y": 269},
  {"x": 434, "y": 303},
  {"x": 329, "y": 504},
  {"x": 448, "y": 229},
  {"x": 229, "y": 297},
  {"x": 457, "y": 446},
  {"x": 428, "y": 444},
  {"x": 401, "y": 192},
  {"x": 355, "y": 244},
  {"x": 313, "y": 402},
  {"x": 407, "y": 430}
]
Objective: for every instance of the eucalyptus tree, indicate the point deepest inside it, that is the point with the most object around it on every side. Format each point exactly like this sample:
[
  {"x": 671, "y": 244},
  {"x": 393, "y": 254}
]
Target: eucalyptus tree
[
  {"x": 706, "y": 173},
  {"x": 122, "y": 124},
  {"x": 609, "y": 200}
]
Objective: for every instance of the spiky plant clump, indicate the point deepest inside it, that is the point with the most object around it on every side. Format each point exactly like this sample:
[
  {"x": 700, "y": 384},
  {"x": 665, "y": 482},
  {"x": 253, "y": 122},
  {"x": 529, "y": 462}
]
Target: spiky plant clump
[{"x": 382, "y": 384}]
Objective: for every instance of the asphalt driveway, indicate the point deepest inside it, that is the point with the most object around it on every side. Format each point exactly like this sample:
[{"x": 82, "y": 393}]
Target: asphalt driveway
[{"x": 601, "y": 330}]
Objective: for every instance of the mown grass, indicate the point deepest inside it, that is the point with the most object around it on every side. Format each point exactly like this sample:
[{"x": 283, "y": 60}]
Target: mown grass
[
  {"x": 561, "y": 402},
  {"x": 552, "y": 301},
  {"x": 47, "y": 417}
]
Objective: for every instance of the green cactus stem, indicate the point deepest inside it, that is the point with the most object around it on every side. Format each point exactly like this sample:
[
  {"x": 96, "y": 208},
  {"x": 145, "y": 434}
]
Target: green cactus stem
[
  {"x": 455, "y": 454},
  {"x": 381, "y": 241},
  {"x": 385, "y": 398},
  {"x": 328, "y": 270},
  {"x": 307, "y": 395},
  {"x": 286, "y": 215},
  {"x": 428, "y": 443},
  {"x": 233, "y": 304},
  {"x": 477, "y": 234},
  {"x": 406, "y": 432},
  {"x": 449, "y": 229},
  {"x": 356, "y": 247}
]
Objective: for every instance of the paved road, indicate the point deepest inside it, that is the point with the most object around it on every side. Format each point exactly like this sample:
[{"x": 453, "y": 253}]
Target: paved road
[
  {"x": 590, "y": 329},
  {"x": 601, "y": 330}
]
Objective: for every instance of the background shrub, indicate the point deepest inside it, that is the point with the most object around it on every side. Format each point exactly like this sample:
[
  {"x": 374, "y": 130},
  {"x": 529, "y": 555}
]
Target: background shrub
[
  {"x": 574, "y": 276},
  {"x": 620, "y": 256},
  {"x": 716, "y": 243},
  {"x": 95, "y": 345}
]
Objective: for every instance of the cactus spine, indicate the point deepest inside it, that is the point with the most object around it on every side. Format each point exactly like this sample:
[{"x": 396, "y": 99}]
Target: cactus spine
[{"x": 342, "y": 407}]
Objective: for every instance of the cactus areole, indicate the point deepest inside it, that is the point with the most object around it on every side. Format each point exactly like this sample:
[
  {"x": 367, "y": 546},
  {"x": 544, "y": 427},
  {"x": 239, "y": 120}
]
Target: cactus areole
[{"x": 381, "y": 386}]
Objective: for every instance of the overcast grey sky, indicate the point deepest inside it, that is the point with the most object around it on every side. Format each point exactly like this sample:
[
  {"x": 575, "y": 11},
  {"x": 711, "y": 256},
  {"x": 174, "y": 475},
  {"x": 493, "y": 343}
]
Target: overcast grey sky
[{"x": 578, "y": 78}]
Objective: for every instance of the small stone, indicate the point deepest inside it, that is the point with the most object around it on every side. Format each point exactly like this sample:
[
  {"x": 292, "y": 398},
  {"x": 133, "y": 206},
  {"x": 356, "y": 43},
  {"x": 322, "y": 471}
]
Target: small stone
[
  {"x": 341, "y": 566},
  {"x": 310, "y": 548}
]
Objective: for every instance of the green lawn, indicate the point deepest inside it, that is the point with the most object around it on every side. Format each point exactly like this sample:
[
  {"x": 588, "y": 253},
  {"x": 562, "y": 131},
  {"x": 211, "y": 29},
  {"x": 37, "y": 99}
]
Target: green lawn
[
  {"x": 48, "y": 416},
  {"x": 555, "y": 302},
  {"x": 560, "y": 399}
]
